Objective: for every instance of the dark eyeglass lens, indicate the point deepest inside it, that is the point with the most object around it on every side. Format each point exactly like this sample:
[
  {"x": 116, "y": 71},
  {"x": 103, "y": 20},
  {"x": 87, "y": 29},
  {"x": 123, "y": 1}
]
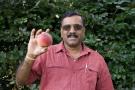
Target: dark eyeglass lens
[
  {"x": 66, "y": 27},
  {"x": 77, "y": 27}
]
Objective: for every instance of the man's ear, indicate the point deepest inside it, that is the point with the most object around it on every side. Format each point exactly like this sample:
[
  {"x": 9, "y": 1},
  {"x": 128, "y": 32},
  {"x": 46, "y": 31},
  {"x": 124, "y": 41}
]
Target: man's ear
[
  {"x": 61, "y": 32},
  {"x": 83, "y": 32}
]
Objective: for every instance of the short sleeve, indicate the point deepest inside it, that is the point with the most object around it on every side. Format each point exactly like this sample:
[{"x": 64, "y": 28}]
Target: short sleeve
[{"x": 104, "y": 80}]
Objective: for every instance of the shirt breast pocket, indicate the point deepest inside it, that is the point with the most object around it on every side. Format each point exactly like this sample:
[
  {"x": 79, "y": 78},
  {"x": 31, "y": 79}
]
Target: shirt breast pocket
[
  {"x": 91, "y": 75},
  {"x": 56, "y": 68}
]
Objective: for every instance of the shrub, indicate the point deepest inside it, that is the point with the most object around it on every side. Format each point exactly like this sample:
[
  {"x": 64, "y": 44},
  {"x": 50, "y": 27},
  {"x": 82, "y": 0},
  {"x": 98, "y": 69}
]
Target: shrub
[{"x": 109, "y": 30}]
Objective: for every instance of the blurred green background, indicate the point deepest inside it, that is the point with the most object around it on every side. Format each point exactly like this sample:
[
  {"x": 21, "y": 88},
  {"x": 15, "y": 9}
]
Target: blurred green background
[{"x": 110, "y": 29}]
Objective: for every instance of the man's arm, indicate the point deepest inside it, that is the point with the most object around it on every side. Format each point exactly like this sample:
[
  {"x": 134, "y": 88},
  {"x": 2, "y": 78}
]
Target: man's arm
[
  {"x": 24, "y": 71},
  {"x": 33, "y": 51}
]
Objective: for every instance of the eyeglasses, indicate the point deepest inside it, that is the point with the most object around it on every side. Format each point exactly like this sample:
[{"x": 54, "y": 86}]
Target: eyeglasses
[{"x": 68, "y": 27}]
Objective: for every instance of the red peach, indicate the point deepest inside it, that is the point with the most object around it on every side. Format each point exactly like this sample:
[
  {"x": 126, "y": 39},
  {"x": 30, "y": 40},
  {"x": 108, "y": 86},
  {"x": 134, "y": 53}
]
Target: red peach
[{"x": 44, "y": 39}]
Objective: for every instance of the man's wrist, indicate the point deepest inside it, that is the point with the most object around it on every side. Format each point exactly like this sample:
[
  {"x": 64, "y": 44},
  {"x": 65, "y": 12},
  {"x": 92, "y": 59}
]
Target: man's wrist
[
  {"x": 32, "y": 56},
  {"x": 29, "y": 58}
]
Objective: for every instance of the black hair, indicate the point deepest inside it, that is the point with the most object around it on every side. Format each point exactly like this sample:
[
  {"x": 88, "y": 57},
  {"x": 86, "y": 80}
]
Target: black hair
[{"x": 72, "y": 13}]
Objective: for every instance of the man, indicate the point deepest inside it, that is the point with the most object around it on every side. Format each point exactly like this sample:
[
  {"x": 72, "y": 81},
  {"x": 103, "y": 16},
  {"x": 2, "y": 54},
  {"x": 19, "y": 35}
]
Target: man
[{"x": 69, "y": 65}]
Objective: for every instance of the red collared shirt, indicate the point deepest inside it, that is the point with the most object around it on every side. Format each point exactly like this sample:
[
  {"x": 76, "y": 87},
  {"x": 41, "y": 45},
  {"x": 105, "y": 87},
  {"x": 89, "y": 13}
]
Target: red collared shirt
[{"x": 56, "y": 70}]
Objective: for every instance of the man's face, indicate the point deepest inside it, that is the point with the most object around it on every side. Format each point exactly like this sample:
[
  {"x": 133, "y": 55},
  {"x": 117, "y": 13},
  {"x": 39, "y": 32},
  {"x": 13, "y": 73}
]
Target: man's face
[{"x": 72, "y": 31}]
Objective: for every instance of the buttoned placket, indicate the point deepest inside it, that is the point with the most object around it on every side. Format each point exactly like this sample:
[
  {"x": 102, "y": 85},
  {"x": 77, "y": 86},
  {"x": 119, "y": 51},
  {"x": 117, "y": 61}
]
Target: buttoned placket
[
  {"x": 72, "y": 63},
  {"x": 72, "y": 67}
]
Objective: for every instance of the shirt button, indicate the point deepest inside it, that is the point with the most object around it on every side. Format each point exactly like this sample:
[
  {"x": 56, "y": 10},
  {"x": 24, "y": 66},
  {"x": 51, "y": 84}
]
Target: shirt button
[{"x": 73, "y": 72}]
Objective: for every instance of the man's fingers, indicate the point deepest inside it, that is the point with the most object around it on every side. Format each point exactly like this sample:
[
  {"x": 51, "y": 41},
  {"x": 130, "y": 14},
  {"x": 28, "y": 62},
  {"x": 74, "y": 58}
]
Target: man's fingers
[
  {"x": 47, "y": 30},
  {"x": 32, "y": 33},
  {"x": 38, "y": 32}
]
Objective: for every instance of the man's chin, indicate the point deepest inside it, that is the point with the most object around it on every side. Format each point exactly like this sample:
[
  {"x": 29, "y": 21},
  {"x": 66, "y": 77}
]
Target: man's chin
[{"x": 73, "y": 44}]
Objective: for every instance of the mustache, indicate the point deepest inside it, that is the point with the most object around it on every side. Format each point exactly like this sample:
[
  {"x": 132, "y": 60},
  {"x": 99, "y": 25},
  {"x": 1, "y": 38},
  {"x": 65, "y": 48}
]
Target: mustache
[{"x": 72, "y": 35}]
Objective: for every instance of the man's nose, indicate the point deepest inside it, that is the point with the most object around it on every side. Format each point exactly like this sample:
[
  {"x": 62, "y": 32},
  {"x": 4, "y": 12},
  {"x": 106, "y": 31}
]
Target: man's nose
[{"x": 72, "y": 29}]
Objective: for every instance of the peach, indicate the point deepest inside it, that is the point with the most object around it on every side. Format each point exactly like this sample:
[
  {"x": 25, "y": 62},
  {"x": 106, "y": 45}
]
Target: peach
[{"x": 44, "y": 39}]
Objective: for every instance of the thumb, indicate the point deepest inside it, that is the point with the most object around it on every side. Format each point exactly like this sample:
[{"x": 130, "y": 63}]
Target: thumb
[{"x": 43, "y": 49}]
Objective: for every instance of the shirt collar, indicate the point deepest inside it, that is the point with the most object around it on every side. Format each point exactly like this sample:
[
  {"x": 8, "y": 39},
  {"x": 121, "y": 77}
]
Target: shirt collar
[
  {"x": 85, "y": 50},
  {"x": 60, "y": 47}
]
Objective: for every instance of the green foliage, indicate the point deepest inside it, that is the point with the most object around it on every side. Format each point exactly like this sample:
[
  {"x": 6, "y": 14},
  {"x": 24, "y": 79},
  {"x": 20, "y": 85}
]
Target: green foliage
[{"x": 110, "y": 29}]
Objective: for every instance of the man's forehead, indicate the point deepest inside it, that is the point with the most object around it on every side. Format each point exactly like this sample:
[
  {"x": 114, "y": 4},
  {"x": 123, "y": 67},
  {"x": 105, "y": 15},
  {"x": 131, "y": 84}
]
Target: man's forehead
[{"x": 72, "y": 20}]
